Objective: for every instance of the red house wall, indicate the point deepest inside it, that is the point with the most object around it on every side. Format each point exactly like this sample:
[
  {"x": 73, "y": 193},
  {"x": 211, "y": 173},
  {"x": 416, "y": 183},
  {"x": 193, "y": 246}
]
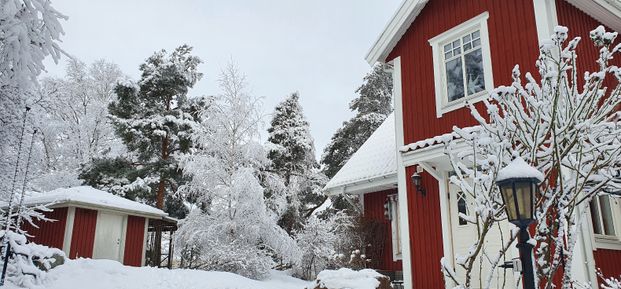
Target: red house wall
[
  {"x": 581, "y": 24},
  {"x": 374, "y": 209},
  {"x": 51, "y": 233},
  {"x": 83, "y": 236},
  {"x": 513, "y": 39},
  {"x": 134, "y": 241},
  {"x": 609, "y": 261},
  {"x": 425, "y": 233}
]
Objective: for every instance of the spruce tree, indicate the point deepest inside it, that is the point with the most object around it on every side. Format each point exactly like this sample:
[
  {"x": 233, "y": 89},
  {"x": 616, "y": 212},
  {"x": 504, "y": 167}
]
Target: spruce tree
[
  {"x": 292, "y": 156},
  {"x": 372, "y": 107},
  {"x": 153, "y": 118}
]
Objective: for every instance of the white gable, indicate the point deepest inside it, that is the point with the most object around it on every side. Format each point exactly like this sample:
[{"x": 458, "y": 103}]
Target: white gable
[{"x": 373, "y": 167}]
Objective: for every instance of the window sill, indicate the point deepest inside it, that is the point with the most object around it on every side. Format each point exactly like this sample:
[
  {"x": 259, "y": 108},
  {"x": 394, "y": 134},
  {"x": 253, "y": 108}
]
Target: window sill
[
  {"x": 607, "y": 242},
  {"x": 461, "y": 103}
]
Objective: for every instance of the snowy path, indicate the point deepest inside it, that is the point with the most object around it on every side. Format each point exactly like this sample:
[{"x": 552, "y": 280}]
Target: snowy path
[{"x": 104, "y": 274}]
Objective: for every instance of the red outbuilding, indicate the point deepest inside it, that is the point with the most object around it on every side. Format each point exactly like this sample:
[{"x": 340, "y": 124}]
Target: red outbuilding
[{"x": 90, "y": 223}]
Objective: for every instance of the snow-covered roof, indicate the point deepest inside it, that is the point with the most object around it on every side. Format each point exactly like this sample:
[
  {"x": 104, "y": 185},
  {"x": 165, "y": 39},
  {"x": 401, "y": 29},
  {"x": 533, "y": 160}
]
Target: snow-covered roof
[
  {"x": 91, "y": 197},
  {"x": 439, "y": 139},
  {"x": 607, "y": 12},
  {"x": 372, "y": 166}
]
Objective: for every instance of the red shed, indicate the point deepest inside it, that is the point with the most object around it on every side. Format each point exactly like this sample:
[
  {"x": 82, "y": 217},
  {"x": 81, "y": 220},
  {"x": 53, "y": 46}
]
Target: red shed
[{"x": 91, "y": 223}]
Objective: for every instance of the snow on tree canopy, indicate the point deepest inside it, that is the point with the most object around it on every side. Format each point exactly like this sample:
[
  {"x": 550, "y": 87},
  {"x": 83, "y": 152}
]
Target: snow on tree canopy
[
  {"x": 518, "y": 168},
  {"x": 90, "y": 196}
]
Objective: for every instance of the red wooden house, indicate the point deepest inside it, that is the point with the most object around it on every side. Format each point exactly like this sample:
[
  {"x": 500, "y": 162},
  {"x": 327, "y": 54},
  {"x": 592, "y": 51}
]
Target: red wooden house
[
  {"x": 90, "y": 223},
  {"x": 426, "y": 43}
]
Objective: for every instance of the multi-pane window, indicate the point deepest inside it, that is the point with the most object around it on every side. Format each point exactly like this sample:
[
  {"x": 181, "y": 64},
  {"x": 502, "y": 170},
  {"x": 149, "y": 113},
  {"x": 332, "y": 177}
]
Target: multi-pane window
[
  {"x": 602, "y": 215},
  {"x": 463, "y": 66},
  {"x": 462, "y": 208},
  {"x": 393, "y": 208}
]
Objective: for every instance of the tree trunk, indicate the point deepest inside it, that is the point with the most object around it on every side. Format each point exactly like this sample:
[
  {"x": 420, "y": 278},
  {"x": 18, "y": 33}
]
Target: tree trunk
[{"x": 159, "y": 203}]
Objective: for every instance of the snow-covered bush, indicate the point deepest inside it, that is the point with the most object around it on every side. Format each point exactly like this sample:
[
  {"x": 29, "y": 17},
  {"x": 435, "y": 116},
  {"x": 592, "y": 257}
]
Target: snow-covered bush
[
  {"x": 345, "y": 278},
  {"x": 29, "y": 262},
  {"x": 568, "y": 132}
]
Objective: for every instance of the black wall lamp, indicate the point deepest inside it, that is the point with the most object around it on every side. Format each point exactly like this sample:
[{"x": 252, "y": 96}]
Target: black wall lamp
[{"x": 417, "y": 180}]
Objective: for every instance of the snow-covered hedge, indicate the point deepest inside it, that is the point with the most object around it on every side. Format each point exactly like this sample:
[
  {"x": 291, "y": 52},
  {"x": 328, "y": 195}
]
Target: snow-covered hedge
[{"x": 345, "y": 278}]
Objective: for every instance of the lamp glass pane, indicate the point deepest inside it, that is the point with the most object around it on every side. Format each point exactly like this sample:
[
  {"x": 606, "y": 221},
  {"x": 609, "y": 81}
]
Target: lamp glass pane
[
  {"x": 507, "y": 194},
  {"x": 524, "y": 195}
]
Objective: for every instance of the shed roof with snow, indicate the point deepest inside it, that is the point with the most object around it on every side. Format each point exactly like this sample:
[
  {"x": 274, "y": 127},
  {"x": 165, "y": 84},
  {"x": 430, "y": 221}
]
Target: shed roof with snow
[
  {"x": 85, "y": 196},
  {"x": 373, "y": 166}
]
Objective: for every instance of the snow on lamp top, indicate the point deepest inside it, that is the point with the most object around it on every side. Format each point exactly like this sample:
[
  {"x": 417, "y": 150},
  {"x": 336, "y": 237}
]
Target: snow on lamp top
[{"x": 518, "y": 168}]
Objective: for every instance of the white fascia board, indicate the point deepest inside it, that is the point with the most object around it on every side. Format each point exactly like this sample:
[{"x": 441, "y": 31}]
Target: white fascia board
[
  {"x": 545, "y": 18},
  {"x": 604, "y": 11},
  {"x": 396, "y": 27},
  {"x": 397, "y": 98},
  {"x": 365, "y": 186}
]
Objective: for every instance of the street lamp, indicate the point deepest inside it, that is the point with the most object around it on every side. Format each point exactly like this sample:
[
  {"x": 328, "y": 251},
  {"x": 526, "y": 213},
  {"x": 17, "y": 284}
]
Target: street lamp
[{"x": 518, "y": 185}]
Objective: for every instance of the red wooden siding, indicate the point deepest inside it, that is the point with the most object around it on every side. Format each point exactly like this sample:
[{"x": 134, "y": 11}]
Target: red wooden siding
[
  {"x": 609, "y": 261},
  {"x": 50, "y": 233},
  {"x": 83, "y": 236},
  {"x": 374, "y": 209},
  {"x": 134, "y": 241},
  {"x": 580, "y": 24},
  {"x": 513, "y": 40},
  {"x": 425, "y": 233}
]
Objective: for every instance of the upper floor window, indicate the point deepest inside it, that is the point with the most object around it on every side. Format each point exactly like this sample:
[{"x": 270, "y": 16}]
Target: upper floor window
[{"x": 462, "y": 65}]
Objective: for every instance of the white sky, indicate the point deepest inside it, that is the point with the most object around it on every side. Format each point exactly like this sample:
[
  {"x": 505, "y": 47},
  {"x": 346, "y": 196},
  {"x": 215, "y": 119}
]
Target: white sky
[{"x": 315, "y": 47}]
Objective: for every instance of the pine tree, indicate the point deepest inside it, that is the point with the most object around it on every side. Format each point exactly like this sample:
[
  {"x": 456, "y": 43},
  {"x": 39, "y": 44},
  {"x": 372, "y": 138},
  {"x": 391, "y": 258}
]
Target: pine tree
[
  {"x": 292, "y": 153},
  {"x": 372, "y": 107},
  {"x": 153, "y": 120}
]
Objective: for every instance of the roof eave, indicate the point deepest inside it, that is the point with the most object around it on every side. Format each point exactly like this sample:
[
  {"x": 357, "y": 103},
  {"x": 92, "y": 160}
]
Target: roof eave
[
  {"x": 363, "y": 186},
  {"x": 605, "y": 12},
  {"x": 67, "y": 203},
  {"x": 396, "y": 27}
]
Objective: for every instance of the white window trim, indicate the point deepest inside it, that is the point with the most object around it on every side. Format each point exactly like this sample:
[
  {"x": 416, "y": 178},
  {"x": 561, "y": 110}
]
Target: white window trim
[
  {"x": 442, "y": 104},
  {"x": 394, "y": 224},
  {"x": 612, "y": 242}
]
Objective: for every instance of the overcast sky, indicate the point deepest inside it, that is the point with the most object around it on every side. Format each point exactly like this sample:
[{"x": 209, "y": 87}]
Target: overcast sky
[{"x": 315, "y": 47}]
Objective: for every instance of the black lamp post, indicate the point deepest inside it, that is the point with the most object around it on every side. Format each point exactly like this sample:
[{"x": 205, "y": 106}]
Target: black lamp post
[{"x": 518, "y": 185}]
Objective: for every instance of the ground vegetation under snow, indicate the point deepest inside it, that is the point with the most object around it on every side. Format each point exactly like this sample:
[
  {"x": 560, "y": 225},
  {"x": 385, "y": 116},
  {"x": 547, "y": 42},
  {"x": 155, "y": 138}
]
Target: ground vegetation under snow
[{"x": 106, "y": 274}]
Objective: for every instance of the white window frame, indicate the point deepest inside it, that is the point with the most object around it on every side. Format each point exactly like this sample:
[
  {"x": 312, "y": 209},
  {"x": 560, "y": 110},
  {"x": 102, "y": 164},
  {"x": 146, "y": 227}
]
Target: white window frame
[
  {"x": 437, "y": 43},
  {"x": 395, "y": 228},
  {"x": 602, "y": 240}
]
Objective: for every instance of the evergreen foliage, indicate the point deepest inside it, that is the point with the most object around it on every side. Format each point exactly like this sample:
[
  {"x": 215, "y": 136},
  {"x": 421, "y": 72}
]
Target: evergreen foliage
[
  {"x": 292, "y": 156},
  {"x": 372, "y": 106},
  {"x": 153, "y": 118}
]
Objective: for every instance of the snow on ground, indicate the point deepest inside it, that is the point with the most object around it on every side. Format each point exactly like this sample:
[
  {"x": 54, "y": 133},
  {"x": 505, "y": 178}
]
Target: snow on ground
[{"x": 106, "y": 274}]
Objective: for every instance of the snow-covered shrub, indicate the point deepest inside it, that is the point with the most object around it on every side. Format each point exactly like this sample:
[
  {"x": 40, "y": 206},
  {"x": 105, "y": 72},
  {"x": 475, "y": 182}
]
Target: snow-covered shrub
[
  {"x": 29, "y": 262},
  {"x": 568, "y": 132},
  {"x": 345, "y": 278}
]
